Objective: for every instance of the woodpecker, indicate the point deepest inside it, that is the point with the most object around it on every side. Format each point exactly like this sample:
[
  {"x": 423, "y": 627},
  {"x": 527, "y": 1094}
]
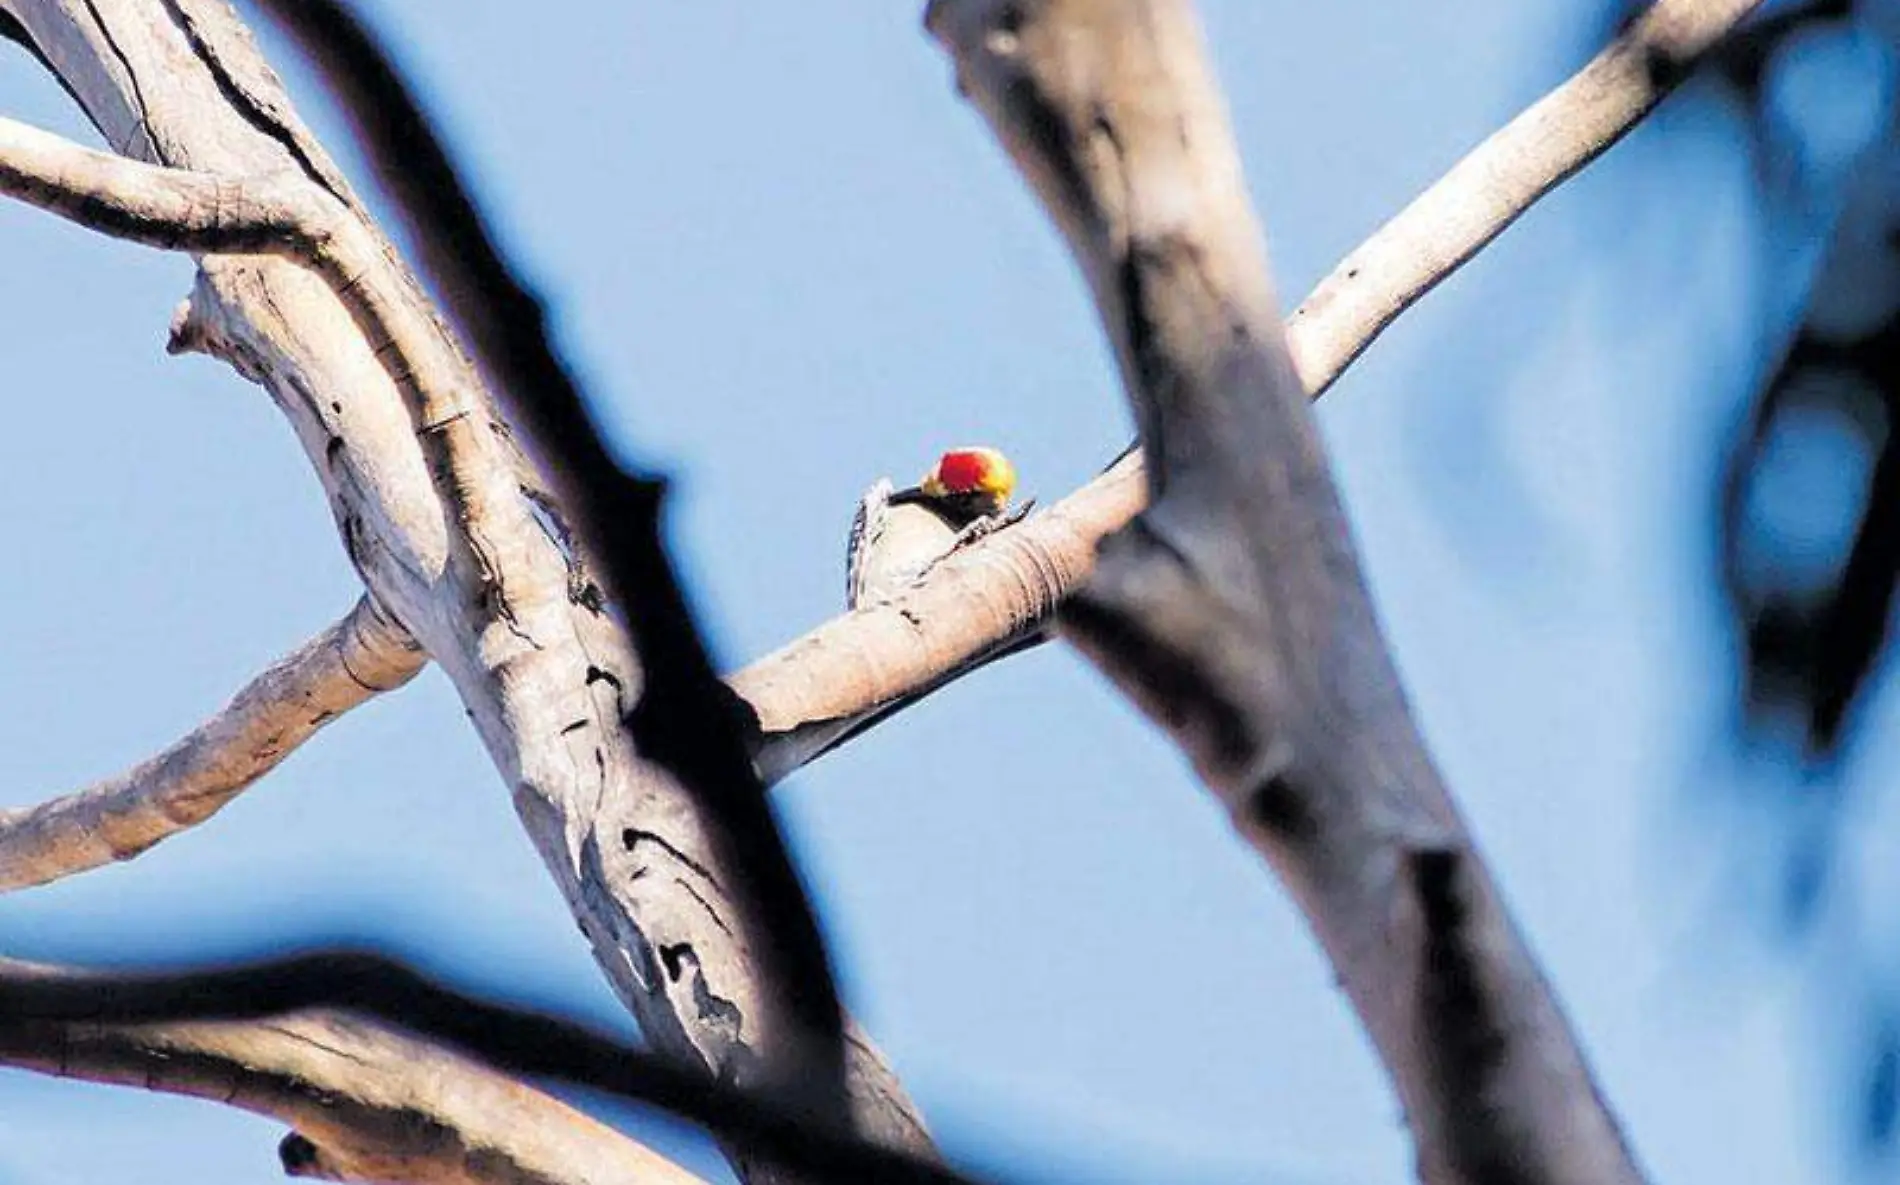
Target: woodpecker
[{"x": 899, "y": 534}]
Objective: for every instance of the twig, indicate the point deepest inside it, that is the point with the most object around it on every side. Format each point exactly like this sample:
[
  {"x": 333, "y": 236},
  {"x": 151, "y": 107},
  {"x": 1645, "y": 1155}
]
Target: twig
[
  {"x": 1496, "y": 182},
  {"x": 359, "y": 657}
]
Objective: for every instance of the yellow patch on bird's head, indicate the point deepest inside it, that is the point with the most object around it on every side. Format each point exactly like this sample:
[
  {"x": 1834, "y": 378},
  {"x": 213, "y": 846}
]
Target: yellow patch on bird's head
[{"x": 980, "y": 472}]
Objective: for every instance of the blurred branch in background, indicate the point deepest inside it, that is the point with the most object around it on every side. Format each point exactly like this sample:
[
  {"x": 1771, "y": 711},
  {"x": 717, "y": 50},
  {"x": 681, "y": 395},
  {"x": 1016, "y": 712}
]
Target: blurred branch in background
[
  {"x": 366, "y": 1102},
  {"x": 1807, "y": 503},
  {"x": 35, "y": 999}
]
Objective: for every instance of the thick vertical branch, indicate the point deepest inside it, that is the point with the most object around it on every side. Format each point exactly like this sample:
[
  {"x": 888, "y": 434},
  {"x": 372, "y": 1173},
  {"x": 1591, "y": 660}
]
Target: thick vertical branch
[
  {"x": 1233, "y": 609},
  {"x": 685, "y": 720}
]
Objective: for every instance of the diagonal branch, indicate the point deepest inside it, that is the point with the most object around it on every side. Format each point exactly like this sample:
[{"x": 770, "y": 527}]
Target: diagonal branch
[
  {"x": 1497, "y": 181},
  {"x": 366, "y": 1102},
  {"x": 361, "y": 656},
  {"x": 685, "y": 719},
  {"x": 510, "y": 1039},
  {"x": 1233, "y": 611},
  {"x": 437, "y": 512},
  {"x": 862, "y": 666},
  {"x": 859, "y": 666},
  {"x": 819, "y": 690}
]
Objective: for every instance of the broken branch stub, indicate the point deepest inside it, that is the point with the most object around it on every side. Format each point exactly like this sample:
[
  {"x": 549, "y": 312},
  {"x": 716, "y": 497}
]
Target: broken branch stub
[{"x": 1233, "y": 610}]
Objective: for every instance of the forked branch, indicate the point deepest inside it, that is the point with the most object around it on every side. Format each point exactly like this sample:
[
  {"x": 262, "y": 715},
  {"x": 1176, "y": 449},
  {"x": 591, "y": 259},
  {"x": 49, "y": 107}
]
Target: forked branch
[
  {"x": 434, "y": 512},
  {"x": 685, "y": 719},
  {"x": 1010, "y": 584},
  {"x": 1232, "y": 609},
  {"x": 693, "y": 729}
]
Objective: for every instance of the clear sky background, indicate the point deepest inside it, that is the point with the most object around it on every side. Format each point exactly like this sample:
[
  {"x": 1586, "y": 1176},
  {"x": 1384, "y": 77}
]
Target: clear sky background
[{"x": 791, "y": 260}]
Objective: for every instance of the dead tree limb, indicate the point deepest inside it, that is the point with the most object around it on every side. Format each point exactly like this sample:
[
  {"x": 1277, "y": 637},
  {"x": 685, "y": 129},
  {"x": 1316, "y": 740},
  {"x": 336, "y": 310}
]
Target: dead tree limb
[
  {"x": 354, "y": 660},
  {"x": 1232, "y": 609},
  {"x": 862, "y": 666},
  {"x": 865, "y": 664},
  {"x": 684, "y": 718},
  {"x": 438, "y": 514},
  {"x": 788, "y": 1130},
  {"x": 365, "y": 1102}
]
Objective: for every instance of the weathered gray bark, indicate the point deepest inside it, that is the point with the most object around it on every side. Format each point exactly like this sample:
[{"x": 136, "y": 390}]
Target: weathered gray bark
[
  {"x": 854, "y": 666},
  {"x": 1232, "y": 609},
  {"x": 428, "y": 495},
  {"x": 861, "y": 665}
]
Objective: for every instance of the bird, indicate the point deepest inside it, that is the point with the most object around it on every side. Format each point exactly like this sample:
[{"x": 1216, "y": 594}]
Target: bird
[{"x": 898, "y": 535}]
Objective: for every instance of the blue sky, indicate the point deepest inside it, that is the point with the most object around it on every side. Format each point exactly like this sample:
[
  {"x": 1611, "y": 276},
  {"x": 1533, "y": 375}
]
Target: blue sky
[{"x": 790, "y": 261}]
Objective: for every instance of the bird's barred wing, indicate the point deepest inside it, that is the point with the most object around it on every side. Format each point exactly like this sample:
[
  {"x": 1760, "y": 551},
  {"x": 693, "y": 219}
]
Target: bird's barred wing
[{"x": 867, "y": 527}]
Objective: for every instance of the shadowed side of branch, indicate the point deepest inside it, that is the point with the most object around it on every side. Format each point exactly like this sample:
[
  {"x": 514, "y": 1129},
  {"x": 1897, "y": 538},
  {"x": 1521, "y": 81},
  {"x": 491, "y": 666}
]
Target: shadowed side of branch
[
  {"x": 1232, "y": 609},
  {"x": 783, "y": 1130},
  {"x": 366, "y": 1103}
]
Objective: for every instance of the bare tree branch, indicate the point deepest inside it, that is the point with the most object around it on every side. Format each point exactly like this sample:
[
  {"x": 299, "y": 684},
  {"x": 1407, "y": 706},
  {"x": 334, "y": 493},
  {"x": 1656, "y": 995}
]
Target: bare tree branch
[
  {"x": 865, "y": 665},
  {"x": 1232, "y": 609},
  {"x": 1485, "y": 193},
  {"x": 788, "y": 1130},
  {"x": 359, "y": 657},
  {"x": 857, "y": 668},
  {"x": 685, "y": 718},
  {"x": 366, "y": 1102},
  {"x": 451, "y": 533}
]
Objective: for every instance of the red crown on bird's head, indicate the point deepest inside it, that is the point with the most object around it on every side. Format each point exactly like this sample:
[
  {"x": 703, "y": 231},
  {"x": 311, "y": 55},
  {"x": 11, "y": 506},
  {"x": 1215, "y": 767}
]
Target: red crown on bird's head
[{"x": 984, "y": 471}]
